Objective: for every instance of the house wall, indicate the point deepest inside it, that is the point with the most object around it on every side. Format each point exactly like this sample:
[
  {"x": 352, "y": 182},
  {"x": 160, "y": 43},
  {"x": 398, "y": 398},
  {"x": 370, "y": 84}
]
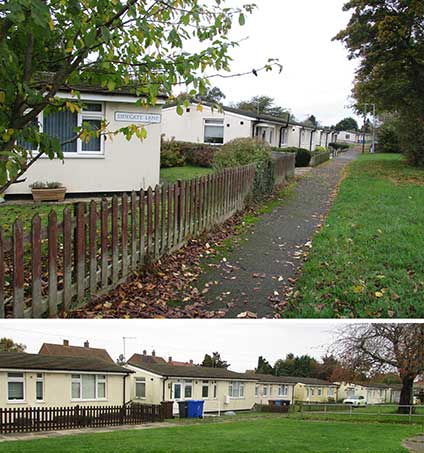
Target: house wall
[
  {"x": 189, "y": 127},
  {"x": 310, "y": 393},
  {"x": 57, "y": 391},
  {"x": 348, "y": 137},
  {"x": 372, "y": 395},
  {"x": 156, "y": 384},
  {"x": 272, "y": 393},
  {"x": 124, "y": 166}
]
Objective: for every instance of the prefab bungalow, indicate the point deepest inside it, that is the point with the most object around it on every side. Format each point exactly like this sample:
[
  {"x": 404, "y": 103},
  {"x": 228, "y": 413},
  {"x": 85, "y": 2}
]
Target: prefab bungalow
[
  {"x": 373, "y": 393},
  {"x": 221, "y": 389},
  {"x": 202, "y": 123},
  {"x": 35, "y": 380},
  {"x": 104, "y": 164},
  {"x": 313, "y": 390},
  {"x": 349, "y": 137},
  {"x": 271, "y": 387}
]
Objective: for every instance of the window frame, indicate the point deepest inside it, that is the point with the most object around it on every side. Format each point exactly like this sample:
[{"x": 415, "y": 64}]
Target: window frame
[
  {"x": 39, "y": 379},
  {"x": 140, "y": 380},
  {"x": 96, "y": 386},
  {"x": 283, "y": 390},
  {"x": 236, "y": 390},
  {"x": 205, "y": 385},
  {"x": 81, "y": 117},
  {"x": 19, "y": 380},
  {"x": 265, "y": 390},
  {"x": 214, "y": 122}
]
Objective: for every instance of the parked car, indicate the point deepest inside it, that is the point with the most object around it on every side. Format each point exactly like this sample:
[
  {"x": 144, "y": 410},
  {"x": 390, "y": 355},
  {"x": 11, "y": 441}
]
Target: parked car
[{"x": 356, "y": 401}]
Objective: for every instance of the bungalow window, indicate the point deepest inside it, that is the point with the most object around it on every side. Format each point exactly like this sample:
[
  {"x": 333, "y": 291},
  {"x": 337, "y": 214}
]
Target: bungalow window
[
  {"x": 312, "y": 391},
  {"x": 283, "y": 390},
  {"x": 140, "y": 387},
  {"x": 39, "y": 387},
  {"x": 236, "y": 390},
  {"x": 265, "y": 390},
  {"x": 319, "y": 391},
  {"x": 214, "y": 131},
  {"x": 62, "y": 125},
  {"x": 257, "y": 390},
  {"x": 331, "y": 391},
  {"x": 15, "y": 387},
  {"x": 214, "y": 391},
  {"x": 88, "y": 386},
  {"x": 205, "y": 389},
  {"x": 188, "y": 389}
]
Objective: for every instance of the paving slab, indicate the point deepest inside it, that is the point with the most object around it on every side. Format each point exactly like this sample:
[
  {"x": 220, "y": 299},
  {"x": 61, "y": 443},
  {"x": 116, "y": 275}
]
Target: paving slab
[{"x": 256, "y": 275}]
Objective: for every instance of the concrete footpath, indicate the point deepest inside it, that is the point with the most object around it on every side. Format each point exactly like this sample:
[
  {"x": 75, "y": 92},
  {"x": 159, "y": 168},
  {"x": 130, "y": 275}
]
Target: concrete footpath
[{"x": 256, "y": 276}]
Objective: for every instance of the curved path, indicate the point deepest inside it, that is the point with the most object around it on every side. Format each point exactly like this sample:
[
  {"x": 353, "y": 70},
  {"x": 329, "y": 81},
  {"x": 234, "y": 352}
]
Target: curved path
[
  {"x": 415, "y": 444},
  {"x": 257, "y": 275}
]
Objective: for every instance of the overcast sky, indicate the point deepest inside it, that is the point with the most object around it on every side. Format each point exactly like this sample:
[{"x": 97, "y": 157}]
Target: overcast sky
[
  {"x": 317, "y": 76},
  {"x": 240, "y": 342}
]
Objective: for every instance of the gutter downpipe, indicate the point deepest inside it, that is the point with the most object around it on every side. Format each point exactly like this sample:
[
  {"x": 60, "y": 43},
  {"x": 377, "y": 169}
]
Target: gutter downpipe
[
  {"x": 284, "y": 127},
  {"x": 300, "y": 136},
  {"x": 312, "y": 136},
  {"x": 163, "y": 388}
]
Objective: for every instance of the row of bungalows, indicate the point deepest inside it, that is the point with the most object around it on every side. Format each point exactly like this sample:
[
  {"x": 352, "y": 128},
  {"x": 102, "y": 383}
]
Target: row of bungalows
[
  {"x": 66, "y": 376},
  {"x": 204, "y": 123},
  {"x": 371, "y": 392}
]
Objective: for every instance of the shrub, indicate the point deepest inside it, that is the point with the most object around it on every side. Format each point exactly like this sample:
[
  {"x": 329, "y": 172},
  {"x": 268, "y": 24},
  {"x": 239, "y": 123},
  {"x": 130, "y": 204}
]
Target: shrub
[
  {"x": 303, "y": 157},
  {"x": 241, "y": 151},
  {"x": 199, "y": 155},
  {"x": 388, "y": 139},
  {"x": 320, "y": 149},
  {"x": 339, "y": 146},
  {"x": 46, "y": 185},
  {"x": 170, "y": 154},
  {"x": 264, "y": 182}
]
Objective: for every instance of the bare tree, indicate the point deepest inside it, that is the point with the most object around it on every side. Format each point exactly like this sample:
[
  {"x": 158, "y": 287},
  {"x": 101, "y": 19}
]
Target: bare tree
[{"x": 377, "y": 348}]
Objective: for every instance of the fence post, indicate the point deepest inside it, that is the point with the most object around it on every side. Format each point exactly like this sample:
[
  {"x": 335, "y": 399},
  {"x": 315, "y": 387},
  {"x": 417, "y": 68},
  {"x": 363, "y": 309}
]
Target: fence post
[
  {"x": 52, "y": 246},
  {"x": 2, "y": 311},
  {"x": 36, "y": 265},
  {"x": 115, "y": 251},
  {"x": 80, "y": 250},
  {"x": 104, "y": 215},
  {"x": 133, "y": 231},
  {"x": 92, "y": 234},
  {"x": 124, "y": 234},
  {"x": 67, "y": 258},
  {"x": 18, "y": 270}
]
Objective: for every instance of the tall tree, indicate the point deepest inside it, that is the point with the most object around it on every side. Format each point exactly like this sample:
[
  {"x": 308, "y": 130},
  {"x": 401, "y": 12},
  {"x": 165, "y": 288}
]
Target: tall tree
[
  {"x": 262, "y": 105},
  {"x": 379, "y": 348},
  {"x": 213, "y": 95},
  {"x": 8, "y": 345},
  {"x": 264, "y": 367},
  {"x": 121, "y": 360},
  {"x": 312, "y": 120},
  {"x": 387, "y": 36},
  {"x": 214, "y": 361},
  {"x": 347, "y": 124},
  {"x": 133, "y": 43},
  {"x": 303, "y": 366}
]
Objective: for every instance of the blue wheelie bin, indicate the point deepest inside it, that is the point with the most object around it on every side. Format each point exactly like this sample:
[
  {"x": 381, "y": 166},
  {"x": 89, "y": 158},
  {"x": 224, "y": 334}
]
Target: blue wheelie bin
[{"x": 195, "y": 408}]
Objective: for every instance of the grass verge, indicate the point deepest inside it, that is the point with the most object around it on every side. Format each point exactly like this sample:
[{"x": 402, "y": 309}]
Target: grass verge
[
  {"x": 187, "y": 172},
  {"x": 268, "y": 435},
  {"x": 368, "y": 259}
]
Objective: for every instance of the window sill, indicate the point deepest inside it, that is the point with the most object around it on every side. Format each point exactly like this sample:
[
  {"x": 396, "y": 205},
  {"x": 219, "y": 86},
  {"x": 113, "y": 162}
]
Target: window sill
[
  {"x": 78, "y": 156},
  {"x": 16, "y": 402},
  {"x": 89, "y": 400}
]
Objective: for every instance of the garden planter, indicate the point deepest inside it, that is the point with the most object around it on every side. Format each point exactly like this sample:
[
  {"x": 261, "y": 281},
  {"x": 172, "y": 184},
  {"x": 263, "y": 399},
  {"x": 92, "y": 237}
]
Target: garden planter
[{"x": 57, "y": 194}]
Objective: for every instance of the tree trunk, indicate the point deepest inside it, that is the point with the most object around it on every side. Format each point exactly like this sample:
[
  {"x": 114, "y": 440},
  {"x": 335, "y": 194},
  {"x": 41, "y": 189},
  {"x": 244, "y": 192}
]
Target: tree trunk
[{"x": 406, "y": 394}]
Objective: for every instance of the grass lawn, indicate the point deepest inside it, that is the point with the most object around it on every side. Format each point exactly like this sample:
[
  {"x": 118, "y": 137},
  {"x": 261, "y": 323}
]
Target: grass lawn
[
  {"x": 173, "y": 174},
  {"x": 10, "y": 212},
  {"x": 368, "y": 260},
  {"x": 267, "y": 435}
]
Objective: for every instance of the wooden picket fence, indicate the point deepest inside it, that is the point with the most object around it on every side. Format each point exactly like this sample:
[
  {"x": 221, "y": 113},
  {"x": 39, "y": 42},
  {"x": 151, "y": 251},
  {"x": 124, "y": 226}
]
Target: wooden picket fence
[
  {"x": 33, "y": 419},
  {"x": 93, "y": 247}
]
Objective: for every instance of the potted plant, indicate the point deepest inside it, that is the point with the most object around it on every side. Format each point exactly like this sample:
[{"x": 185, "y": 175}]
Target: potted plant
[{"x": 48, "y": 191}]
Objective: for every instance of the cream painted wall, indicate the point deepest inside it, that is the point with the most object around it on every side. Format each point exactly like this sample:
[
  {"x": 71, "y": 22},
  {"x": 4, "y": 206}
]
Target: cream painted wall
[
  {"x": 272, "y": 393},
  {"x": 303, "y": 393},
  {"x": 154, "y": 392},
  {"x": 125, "y": 165},
  {"x": 57, "y": 391},
  {"x": 372, "y": 395},
  {"x": 189, "y": 127}
]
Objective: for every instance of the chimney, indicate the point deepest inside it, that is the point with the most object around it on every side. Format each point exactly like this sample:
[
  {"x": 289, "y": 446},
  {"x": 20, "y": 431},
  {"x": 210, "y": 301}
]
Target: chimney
[
  {"x": 191, "y": 362},
  {"x": 153, "y": 353},
  {"x": 86, "y": 344},
  {"x": 169, "y": 359},
  {"x": 65, "y": 342},
  {"x": 144, "y": 352}
]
